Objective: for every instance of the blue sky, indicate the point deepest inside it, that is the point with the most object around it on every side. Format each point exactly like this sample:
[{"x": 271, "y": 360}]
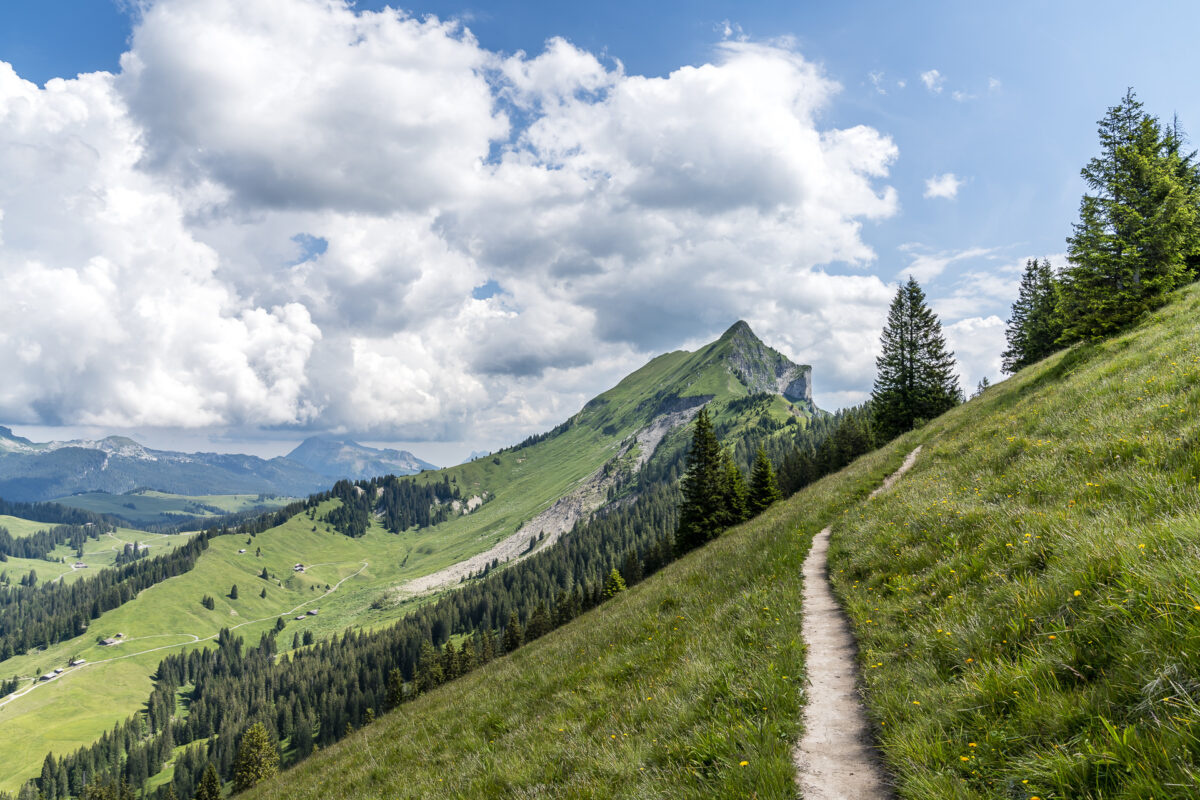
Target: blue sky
[{"x": 999, "y": 101}]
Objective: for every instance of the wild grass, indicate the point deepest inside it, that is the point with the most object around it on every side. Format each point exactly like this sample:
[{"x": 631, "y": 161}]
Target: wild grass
[{"x": 1027, "y": 599}]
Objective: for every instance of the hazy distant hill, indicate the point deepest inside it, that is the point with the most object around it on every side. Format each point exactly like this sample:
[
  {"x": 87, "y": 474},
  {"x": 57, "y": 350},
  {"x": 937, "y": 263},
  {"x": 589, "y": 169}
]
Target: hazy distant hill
[
  {"x": 31, "y": 471},
  {"x": 343, "y": 458}
]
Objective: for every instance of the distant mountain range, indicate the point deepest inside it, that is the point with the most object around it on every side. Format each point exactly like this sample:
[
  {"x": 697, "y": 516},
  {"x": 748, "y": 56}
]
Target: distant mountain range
[{"x": 31, "y": 471}]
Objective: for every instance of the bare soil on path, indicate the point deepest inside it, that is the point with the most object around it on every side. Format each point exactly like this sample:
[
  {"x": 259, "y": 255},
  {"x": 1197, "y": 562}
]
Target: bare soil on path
[{"x": 835, "y": 759}]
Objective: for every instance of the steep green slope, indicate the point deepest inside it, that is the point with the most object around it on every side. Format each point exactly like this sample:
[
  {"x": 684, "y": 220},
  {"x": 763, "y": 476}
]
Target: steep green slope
[
  {"x": 662, "y": 692},
  {"x": 518, "y": 483},
  {"x": 1028, "y": 598}
]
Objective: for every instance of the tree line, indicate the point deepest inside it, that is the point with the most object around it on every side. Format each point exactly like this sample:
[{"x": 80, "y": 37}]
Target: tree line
[
  {"x": 399, "y": 503},
  {"x": 54, "y": 513},
  {"x": 42, "y": 543}
]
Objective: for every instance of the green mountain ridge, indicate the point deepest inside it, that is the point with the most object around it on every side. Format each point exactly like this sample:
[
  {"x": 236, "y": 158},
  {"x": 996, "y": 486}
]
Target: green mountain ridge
[
  {"x": 1025, "y": 601},
  {"x": 356, "y": 581}
]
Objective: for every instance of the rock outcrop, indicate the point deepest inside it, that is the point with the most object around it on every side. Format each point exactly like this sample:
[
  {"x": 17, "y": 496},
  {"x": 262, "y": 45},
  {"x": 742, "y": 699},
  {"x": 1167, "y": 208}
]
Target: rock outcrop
[{"x": 764, "y": 369}]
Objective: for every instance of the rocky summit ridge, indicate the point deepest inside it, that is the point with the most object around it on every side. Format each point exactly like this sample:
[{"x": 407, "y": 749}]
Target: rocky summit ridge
[{"x": 764, "y": 369}]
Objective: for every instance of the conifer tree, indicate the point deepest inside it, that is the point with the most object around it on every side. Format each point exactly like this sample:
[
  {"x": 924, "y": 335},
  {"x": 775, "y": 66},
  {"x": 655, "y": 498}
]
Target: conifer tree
[
  {"x": 302, "y": 739},
  {"x": 700, "y": 517},
  {"x": 233, "y": 592},
  {"x": 257, "y": 758},
  {"x": 395, "y": 688},
  {"x": 450, "y": 668},
  {"x": 1138, "y": 233},
  {"x": 763, "y": 489},
  {"x": 210, "y": 784},
  {"x": 733, "y": 508},
  {"x": 1035, "y": 325},
  {"x": 512, "y": 633},
  {"x": 539, "y": 622},
  {"x": 614, "y": 584},
  {"x": 915, "y": 377},
  {"x": 429, "y": 673}
]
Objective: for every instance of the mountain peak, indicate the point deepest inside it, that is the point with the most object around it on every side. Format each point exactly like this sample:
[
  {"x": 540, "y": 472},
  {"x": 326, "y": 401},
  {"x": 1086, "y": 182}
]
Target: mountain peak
[
  {"x": 340, "y": 457},
  {"x": 762, "y": 368},
  {"x": 739, "y": 330}
]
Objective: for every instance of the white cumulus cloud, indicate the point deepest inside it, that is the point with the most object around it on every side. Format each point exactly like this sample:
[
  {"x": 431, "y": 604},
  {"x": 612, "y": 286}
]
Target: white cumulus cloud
[{"x": 945, "y": 186}]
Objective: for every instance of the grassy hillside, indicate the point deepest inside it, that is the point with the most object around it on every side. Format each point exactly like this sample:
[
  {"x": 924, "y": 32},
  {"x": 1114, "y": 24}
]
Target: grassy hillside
[
  {"x": 97, "y": 553},
  {"x": 19, "y": 527},
  {"x": 1027, "y": 603},
  {"x": 1028, "y": 598},
  {"x": 149, "y": 507},
  {"x": 662, "y": 692},
  {"x": 519, "y": 482}
]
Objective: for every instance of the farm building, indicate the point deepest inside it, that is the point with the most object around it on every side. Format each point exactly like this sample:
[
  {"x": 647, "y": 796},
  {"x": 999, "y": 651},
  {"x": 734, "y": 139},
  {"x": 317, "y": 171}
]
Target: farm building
[
  {"x": 312, "y": 612},
  {"x": 298, "y": 568},
  {"x": 78, "y": 662}
]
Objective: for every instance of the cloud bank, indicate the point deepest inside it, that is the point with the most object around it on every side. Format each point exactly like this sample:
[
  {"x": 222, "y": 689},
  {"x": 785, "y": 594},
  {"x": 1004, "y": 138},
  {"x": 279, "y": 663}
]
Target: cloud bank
[{"x": 278, "y": 214}]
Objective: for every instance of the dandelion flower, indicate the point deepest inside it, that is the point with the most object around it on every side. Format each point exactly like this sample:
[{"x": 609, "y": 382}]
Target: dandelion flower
[{"x": 743, "y": 763}]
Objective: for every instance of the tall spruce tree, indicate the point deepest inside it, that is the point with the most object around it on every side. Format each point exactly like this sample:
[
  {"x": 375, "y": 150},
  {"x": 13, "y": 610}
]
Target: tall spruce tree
[
  {"x": 1035, "y": 326},
  {"x": 701, "y": 511},
  {"x": 763, "y": 489},
  {"x": 210, "y": 784},
  {"x": 915, "y": 377},
  {"x": 733, "y": 509},
  {"x": 1138, "y": 233},
  {"x": 513, "y": 635},
  {"x": 429, "y": 672},
  {"x": 257, "y": 758}
]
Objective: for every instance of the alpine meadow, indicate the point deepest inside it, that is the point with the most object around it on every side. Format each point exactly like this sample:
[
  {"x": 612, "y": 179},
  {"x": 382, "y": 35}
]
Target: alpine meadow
[{"x": 816, "y": 392}]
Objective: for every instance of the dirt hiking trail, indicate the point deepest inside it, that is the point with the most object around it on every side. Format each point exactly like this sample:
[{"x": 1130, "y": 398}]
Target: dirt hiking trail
[{"x": 835, "y": 759}]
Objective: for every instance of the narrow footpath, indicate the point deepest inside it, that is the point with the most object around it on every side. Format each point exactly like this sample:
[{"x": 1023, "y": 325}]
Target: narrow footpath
[{"x": 835, "y": 759}]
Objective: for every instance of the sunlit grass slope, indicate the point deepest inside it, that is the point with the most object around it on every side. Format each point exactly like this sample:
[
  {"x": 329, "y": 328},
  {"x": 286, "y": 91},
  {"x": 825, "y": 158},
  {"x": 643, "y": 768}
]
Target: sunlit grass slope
[
  {"x": 97, "y": 553},
  {"x": 73, "y": 710},
  {"x": 662, "y": 692},
  {"x": 1028, "y": 598}
]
